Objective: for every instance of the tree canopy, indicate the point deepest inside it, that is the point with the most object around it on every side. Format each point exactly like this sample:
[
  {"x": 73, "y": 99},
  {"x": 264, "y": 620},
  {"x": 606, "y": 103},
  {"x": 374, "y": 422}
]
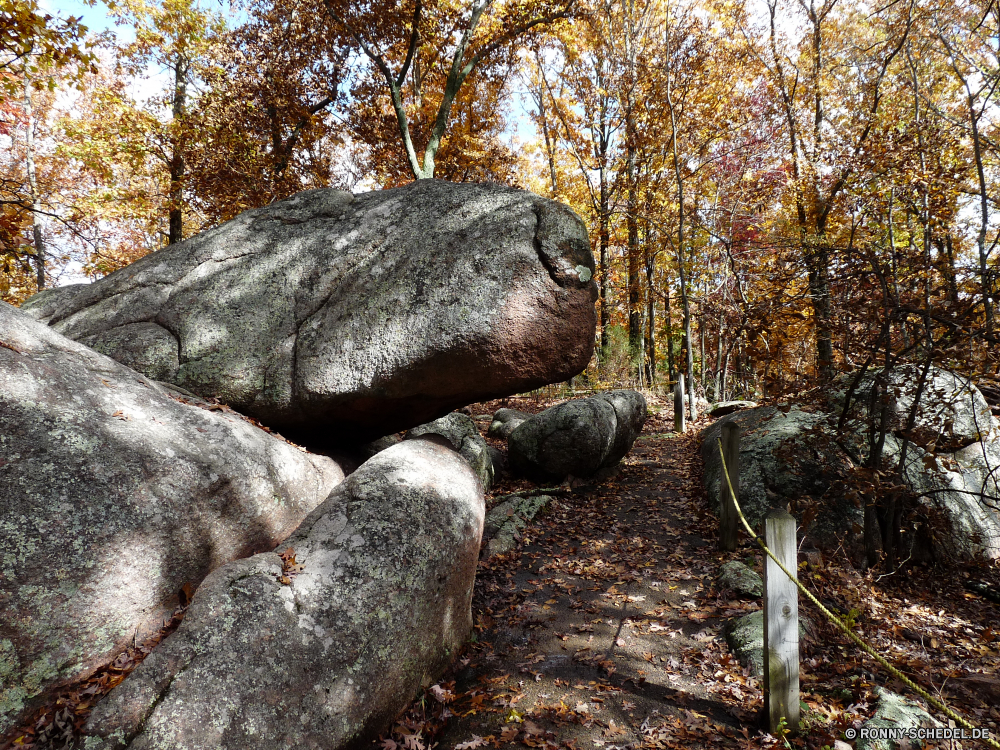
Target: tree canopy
[{"x": 777, "y": 191}]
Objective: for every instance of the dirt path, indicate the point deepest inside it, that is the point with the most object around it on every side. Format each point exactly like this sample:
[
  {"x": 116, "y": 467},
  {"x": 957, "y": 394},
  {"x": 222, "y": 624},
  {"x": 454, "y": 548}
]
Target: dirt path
[{"x": 601, "y": 630}]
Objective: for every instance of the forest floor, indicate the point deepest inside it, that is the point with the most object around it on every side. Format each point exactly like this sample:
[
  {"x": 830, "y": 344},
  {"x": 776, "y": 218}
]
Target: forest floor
[{"x": 603, "y": 629}]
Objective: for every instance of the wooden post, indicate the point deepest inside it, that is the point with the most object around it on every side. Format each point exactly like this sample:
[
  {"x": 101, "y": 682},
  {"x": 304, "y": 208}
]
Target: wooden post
[
  {"x": 728, "y": 520},
  {"x": 781, "y": 624},
  {"x": 680, "y": 424}
]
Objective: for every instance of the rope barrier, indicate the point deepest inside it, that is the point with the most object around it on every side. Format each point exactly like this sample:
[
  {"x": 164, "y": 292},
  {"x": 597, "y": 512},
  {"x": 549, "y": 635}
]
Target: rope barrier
[{"x": 939, "y": 705}]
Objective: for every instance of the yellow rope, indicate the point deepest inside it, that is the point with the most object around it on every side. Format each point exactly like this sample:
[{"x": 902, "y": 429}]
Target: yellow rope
[{"x": 951, "y": 714}]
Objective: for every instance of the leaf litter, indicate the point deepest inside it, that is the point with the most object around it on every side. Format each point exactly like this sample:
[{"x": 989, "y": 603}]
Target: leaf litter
[{"x": 603, "y": 629}]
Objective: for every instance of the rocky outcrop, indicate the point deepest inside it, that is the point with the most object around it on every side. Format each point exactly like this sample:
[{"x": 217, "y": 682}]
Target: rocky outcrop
[
  {"x": 48, "y": 302},
  {"x": 115, "y": 492},
  {"x": 578, "y": 437},
  {"x": 775, "y": 469},
  {"x": 463, "y": 435},
  {"x": 952, "y": 466},
  {"x": 347, "y": 317},
  {"x": 505, "y": 421},
  {"x": 381, "y": 607}
]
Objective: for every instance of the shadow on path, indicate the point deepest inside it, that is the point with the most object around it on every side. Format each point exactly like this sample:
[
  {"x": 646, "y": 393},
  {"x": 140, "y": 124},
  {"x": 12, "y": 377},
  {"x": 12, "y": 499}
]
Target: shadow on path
[{"x": 601, "y": 629}]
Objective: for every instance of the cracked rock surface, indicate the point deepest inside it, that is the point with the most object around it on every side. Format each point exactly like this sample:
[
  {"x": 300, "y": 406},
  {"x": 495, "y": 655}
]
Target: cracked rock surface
[
  {"x": 353, "y": 316},
  {"x": 114, "y": 495},
  {"x": 381, "y": 607}
]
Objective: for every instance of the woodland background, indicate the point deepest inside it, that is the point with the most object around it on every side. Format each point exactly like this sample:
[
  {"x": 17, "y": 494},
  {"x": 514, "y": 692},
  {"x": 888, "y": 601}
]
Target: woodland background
[{"x": 776, "y": 190}]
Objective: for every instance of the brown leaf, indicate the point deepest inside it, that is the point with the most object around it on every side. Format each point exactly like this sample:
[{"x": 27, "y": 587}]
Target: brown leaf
[{"x": 509, "y": 734}]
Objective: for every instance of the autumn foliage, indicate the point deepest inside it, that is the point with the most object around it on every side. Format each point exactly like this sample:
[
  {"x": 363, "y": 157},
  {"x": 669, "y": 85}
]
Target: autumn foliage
[{"x": 776, "y": 191}]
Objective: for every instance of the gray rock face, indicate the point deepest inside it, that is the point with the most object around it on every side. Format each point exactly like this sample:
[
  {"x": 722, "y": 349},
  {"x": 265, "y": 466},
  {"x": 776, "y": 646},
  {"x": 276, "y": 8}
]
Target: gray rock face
[
  {"x": 953, "y": 461},
  {"x": 774, "y": 468},
  {"x": 505, "y": 421},
  {"x": 498, "y": 458},
  {"x": 745, "y": 638},
  {"x": 951, "y": 415},
  {"x": 578, "y": 437},
  {"x": 355, "y": 316},
  {"x": 894, "y": 711},
  {"x": 736, "y": 577},
  {"x": 49, "y": 302},
  {"x": 463, "y": 435},
  {"x": 381, "y": 607},
  {"x": 113, "y": 495}
]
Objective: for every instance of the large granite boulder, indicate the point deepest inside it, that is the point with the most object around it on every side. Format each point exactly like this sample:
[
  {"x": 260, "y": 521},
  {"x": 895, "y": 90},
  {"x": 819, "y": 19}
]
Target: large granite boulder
[
  {"x": 792, "y": 455},
  {"x": 776, "y": 468},
  {"x": 381, "y": 607},
  {"x": 463, "y": 435},
  {"x": 578, "y": 437},
  {"x": 113, "y": 495},
  {"x": 952, "y": 414},
  {"x": 348, "y": 317}
]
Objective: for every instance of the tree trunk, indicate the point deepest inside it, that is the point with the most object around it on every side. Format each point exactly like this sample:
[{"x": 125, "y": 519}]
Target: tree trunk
[
  {"x": 36, "y": 203},
  {"x": 701, "y": 335},
  {"x": 718, "y": 362},
  {"x": 650, "y": 317},
  {"x": 724, "y": 387},
  {"x": 818, "y": 263},
  {"x": 605, "y": 245},
  {"x": 549, "y": 138},
  {"x": 679, "y": 179},
  {"x": 176, "y": 216},
  {"x": 634, "y": 298},
  {"x": 671, "y": 370}
]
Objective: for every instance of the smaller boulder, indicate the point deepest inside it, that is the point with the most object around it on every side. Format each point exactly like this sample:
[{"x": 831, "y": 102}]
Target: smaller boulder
[
  {"x": 498, "y": 458},
  {"x": 736, "y": 577},
  {"x": 505, "y": 421},
  {"x": 463, "y": 435},
  {"x": 894, "y": 712},
  {"x": 579, "y": 437},
  {"x": 326, "y": 655},
  {"x": 745, "y": 637},
  {"x": 507, "y": 519}
]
